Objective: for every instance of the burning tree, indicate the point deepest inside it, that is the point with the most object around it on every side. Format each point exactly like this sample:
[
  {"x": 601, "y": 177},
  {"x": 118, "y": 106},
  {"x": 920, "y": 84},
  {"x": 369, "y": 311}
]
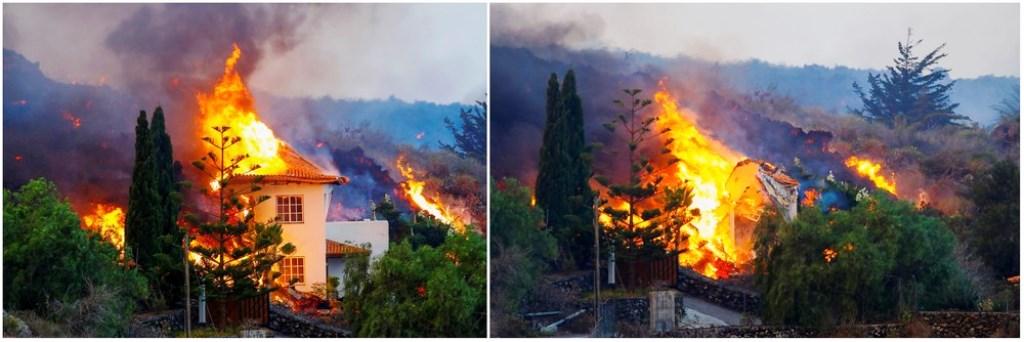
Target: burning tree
[
  {"x": 234, "y": 255},
  {"x": 643, "y": 217}
]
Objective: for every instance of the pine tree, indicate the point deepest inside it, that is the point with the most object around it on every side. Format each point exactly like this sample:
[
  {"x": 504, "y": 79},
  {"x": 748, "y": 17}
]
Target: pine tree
[
  {"x": 145, "y": 214},
  {"x": 910, "y": 95},
  {"x": 236, "y": 255},
  {"x": 644, "y": 216}
]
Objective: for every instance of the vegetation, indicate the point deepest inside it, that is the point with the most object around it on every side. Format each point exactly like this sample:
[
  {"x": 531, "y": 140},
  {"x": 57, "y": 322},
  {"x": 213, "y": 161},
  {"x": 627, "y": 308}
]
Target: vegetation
[
  {"x": 872, "y": 263},
  {"x": 418, "y": 292},
  {"x": 910, "y": 94},
  {"x": 471, "y": 136},
  {"x": 60, "y": 272},
  {"x": 236, "y": 255},
  {"x": 521, "y": 250},
  {"x": 562, "y": 189},
  {"x": 643, "y": 230},
  {"x": 995, "y": 233}
]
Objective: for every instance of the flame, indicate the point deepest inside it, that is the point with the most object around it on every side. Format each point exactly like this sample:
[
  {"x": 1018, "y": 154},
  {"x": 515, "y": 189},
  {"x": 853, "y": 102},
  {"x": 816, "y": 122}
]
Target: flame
[
  {"x": 230, "y": 104},
  {"x": 810, "y": 197},
  {"x": 829, "y": 254},
  {"x": 704, "y": 164},
  {"x": 871, "y": 170},
  {"x": 414, "y": 190},
  {"x": 108, "y": 221}
]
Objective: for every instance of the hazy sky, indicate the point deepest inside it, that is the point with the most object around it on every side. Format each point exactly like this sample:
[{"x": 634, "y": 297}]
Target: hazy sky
[
  {"x": 981, "y": 38},
  {"x": 429, "y": 52}
]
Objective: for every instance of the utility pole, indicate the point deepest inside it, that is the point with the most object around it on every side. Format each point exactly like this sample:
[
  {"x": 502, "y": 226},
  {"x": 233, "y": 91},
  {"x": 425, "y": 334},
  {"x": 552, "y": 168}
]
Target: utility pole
[
  {"x": 188, "y": 294},
  {"x": 597, "y": 271}
]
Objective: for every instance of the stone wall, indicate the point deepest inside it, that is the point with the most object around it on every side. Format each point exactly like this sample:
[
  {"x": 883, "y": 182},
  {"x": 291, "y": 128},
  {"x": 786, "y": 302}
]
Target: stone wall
[
  {"x": 935, "y": 324},
  {"x": 158, "y": 324},
  {"x": 731, "y": 297},
  {"x": 628, "y": 310},
  {"x": 289, "y": 324}
]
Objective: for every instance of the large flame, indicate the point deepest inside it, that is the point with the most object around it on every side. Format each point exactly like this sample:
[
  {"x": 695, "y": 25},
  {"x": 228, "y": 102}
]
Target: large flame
[
  {"x": 414, "y": 190},
  {"x": 108, "y": 221},
  {"x": 230, "y": 104},
  {"x": 872, "y": 171}
]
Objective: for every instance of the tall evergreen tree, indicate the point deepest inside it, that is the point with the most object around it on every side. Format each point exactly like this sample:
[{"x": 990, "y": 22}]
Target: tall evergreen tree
[
  {"x": 471, "y": 135},
  {"x": 165, "y": 271},
  {"x": 910, "y": 94},
  {"x": 562, "y": 189},
  {"x": 145, "y": 214}
]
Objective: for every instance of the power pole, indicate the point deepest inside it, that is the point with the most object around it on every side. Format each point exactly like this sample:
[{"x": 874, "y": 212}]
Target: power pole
[
  {"x": 597, "y": 271},
  {"x": 188, "y": 294}
]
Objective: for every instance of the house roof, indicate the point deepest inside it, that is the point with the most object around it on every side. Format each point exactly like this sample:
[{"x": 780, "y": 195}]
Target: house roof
[
  {"x": 300, "y": 170},
  {"x": 337, "y": 249}
]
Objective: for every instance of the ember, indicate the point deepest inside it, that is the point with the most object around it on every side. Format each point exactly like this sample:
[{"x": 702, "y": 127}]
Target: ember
[{"x": 74, "y": 120}]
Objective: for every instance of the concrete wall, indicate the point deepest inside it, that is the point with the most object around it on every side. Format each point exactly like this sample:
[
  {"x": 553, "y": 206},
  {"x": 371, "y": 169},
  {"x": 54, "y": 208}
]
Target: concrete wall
[{"x": 308, "y": 236}]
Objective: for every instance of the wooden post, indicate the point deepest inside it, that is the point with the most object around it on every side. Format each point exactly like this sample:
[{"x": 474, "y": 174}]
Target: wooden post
[{"x": 188, "y": 294}]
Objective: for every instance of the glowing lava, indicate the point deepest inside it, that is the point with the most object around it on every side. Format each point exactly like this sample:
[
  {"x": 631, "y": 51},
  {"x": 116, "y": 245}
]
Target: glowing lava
[
  {"x": 872, "y": 171},
  {"x": 230, "y": 104},
  {"x": 108, "y": 222},
  {"x": 414, "y": 190}
]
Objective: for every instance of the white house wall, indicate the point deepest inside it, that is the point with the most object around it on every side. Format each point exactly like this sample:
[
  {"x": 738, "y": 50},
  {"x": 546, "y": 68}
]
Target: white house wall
[
  {"x": 308, "y": 236},
  {"x": 356, "y": 233}
]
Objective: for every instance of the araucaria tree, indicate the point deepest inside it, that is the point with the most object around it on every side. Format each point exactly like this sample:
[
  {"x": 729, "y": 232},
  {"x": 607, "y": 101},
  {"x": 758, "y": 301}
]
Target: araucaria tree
[
  {"x": 644, "y": 215},
  {"x": 910, "y": 94},
  {"x": 562, "y": 189},
  {"x": 235, "y": 254}
]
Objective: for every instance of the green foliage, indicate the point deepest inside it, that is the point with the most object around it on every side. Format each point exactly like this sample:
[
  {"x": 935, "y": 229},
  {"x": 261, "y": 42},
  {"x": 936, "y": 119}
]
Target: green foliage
[
  {"x": 647, "y": 226},
  {"x": 471, "y": 137},
  {"x": 520, "y": 248},
  {"x": 871, "y": 263},
  {"x": 145, "y": 215},
  {"x": 58, "y": 270},
  {"x": 398, "y": 229},
  {"x": 562, "y": 188},
  {"x": 995, "y": 233},
  {"x": 417, "y": 292},
  {"x": 428, "y": 231},
  {"x": 910, "y": 94},
  {"x": 165, "y": 270}
]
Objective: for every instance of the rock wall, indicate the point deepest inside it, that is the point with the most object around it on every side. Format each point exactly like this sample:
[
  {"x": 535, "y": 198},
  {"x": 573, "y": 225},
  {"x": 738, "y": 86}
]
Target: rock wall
[
  {"x": 628, "y": 310},
  {"x": 159, "y": 324},
  {"x": 285, "y": 322},
  {"x": 731, "y": 297},
  {"x": 935, "y": 324}
]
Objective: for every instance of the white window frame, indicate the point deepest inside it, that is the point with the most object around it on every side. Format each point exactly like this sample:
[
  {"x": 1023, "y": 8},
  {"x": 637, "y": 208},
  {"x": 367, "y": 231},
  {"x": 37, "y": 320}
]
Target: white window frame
[
  {"x": 285, "y": 268},
  {"x": 301, "y": 211}
]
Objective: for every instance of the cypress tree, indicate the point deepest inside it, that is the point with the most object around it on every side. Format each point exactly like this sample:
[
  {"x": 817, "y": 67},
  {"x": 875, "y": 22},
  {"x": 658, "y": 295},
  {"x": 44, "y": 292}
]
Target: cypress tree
[
  {"x": 580, "y": 196},
  {"x": 165, "y": 271},
  {"x": 144, "y": 212},
  {"x": 550, "y": 185}
]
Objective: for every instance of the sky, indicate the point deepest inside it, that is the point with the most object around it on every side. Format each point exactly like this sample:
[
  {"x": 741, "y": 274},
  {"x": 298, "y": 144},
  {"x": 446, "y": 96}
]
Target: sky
[
  {"x": 414, "y": 52},
  {"x": 982, "y": 39}
]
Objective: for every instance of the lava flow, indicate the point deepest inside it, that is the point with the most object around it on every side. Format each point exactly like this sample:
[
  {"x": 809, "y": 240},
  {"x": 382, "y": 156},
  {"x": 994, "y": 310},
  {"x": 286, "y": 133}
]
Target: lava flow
[
  {"x": 872, "y": 171},
  {"x": 414, "y": 190},
  {"x": 108, "y": 222},
  {"x": 230, "y": 104}
]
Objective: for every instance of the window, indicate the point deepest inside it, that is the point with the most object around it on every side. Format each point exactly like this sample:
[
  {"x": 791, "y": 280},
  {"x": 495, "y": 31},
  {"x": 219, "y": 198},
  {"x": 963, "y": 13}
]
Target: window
[
  {"x": 293, "y": 268},
  {"x": 289, "y": 209}
]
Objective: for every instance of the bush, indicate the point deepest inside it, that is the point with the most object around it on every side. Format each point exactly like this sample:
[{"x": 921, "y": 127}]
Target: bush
[
  {"x": 417, "y": 292},
  {"x": 871, "y": 263},
  {"x": 61, "y": 272},
  {"x": 996, "y": 220}
]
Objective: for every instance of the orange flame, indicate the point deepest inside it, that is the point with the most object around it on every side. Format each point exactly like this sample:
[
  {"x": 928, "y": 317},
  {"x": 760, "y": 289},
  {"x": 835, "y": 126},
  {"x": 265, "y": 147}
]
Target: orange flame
[
  {"x": 810, "y": 197},
  {"x": 871, "y": 170},
  {"x": 414, "y": 190},
  {"x": 108, "y": 221},
  {"x": 230, "y": 104},
  {"x": 829, "y": 254}
]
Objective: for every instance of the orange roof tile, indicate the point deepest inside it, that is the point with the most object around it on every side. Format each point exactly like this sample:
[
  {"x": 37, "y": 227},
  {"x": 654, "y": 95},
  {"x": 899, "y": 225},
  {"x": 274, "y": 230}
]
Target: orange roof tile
[
  {"x": 300, "y": 170},
  {"x": 338, "y": 249}
]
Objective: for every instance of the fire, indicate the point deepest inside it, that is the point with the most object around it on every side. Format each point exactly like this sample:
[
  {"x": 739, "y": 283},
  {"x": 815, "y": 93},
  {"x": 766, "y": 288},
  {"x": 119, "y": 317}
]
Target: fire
[
  {"x": 414, "y": 191},
  {"x": 108, "y": 221},
  {"x": 810, "y": 197},
  {"x": 75, "y": 121},
  {"x": 871, "y": 170},
  {"x": 704, "y": 164},
  {"x": 230, "y": 104},
  {"x": 829, "y": 254}
]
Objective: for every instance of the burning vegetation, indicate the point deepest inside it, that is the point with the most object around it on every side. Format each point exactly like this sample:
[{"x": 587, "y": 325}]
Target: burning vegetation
[{"x": 107, "y": 220}]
